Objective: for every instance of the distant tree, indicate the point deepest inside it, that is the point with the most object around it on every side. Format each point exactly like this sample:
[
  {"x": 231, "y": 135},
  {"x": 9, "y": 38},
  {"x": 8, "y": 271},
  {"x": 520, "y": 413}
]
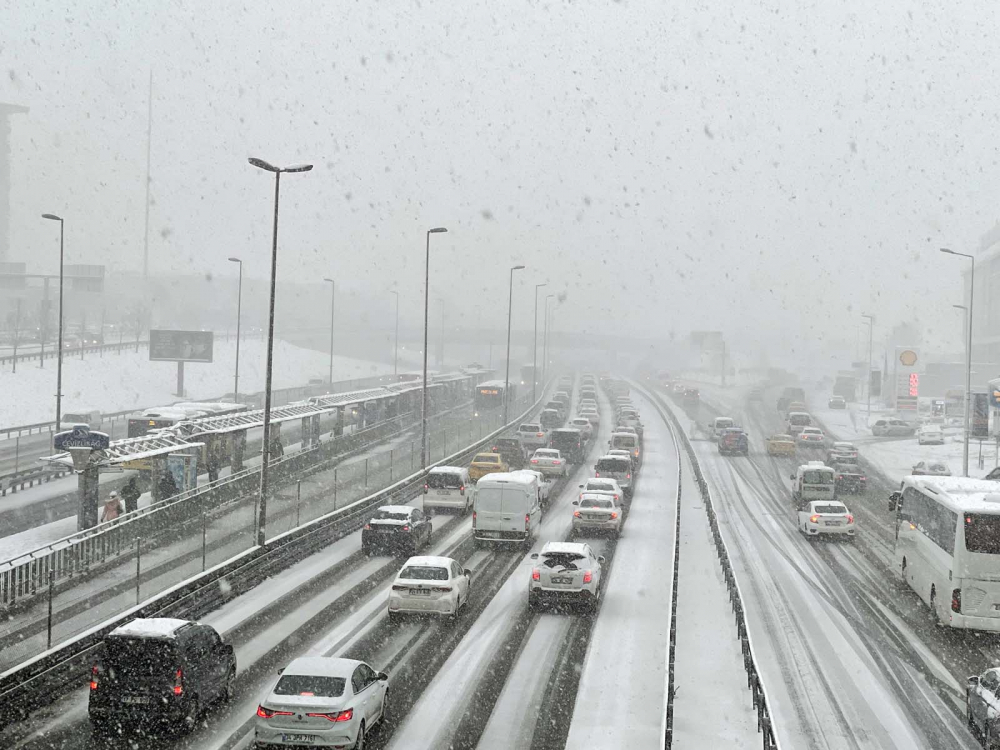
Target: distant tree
[{"x": 17, "y": 326}]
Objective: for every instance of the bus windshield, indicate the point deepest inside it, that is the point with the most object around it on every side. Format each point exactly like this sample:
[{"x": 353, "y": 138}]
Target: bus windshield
[{"x": 982, "y": 533}]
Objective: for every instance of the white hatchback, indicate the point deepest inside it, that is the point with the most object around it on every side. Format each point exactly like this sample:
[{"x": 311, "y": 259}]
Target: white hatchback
[
  {"x": 565, "y": 573},
  {"x": 429, "y": 585},
  {"x": 826, "y": 517},
  {"x": 549, "y": 462},
  {"x": 319, "y": 701}
]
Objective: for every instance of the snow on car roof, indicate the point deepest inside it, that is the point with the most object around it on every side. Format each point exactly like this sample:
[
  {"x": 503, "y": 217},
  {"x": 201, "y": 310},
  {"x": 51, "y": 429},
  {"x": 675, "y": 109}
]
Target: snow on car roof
[
  {"x": 564, "y": 548},
  {"x": 842, "y": 444},
  {"x": 782, "y": 437},
  {"x": 429, "y": 561},
  {"x": 447, "y": 470},
  {"x": 323, "y": 666},
  {"x": 508, "y": 477},
  {"x": 396, "y": 509},
  {"x": 151, "y": 627}
]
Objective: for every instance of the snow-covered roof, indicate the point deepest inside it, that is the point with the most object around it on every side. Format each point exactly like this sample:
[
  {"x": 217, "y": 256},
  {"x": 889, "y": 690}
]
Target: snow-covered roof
[
  {"x": 428, "y": 561},
  {"x": 447, "y": 470},
  {"x": 322, "y": 666},
  {"x": 508, "y": 477},
  {"x": 151, "y": 627},
  {"x": 396, "y": 509},
  {"x": 961, "y": 494},
  {"x": 564, "y": 548}
]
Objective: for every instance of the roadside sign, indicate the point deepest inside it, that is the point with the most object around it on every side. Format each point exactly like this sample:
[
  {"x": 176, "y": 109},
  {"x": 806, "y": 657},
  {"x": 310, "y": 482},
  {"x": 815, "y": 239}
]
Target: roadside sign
[
  {"x": 180, "y": 346},
  {"x": 980, "y": 415},
  {"x": 914, "y": 384},
  {"x": 81, "y": 437},
  {"x": 908, "y": 358}
]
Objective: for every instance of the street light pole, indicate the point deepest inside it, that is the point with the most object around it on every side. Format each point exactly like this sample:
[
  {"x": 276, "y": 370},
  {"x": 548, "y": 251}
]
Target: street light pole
[
  {"x": 545, "y": 340},
  {"x": 968, "y": 357},
  {"x": 333, "y": 294},
  {"x": 510, "y": 308},
  {"x": 871, "y": 327},
  {"x": 534, "y": 349},
  {"x": 59, "y": 357},
  {"x": 395, "y": 345},
  {"x": 239, "y": 317},
  {"x": 262, "y": 500},
  {"x": 423, "y": 397}
]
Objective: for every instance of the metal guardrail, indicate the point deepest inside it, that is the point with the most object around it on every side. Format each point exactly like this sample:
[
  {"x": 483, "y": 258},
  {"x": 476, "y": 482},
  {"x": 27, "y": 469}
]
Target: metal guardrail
[
  {"x": 44, "y": 678},
  {"x": 28, "y": 477},
  {"x": 765, "y": 723},
  {"x": 51, "y": 352}
]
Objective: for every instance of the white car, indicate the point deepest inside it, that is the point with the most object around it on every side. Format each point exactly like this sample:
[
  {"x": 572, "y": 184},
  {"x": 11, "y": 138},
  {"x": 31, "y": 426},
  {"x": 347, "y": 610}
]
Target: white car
[
  {"x": 565, "y": 572},
  {"x": 601, "y": 484},
  {"x": 597, "y": 511},
  {"x": 826, "y": 517},
  {"x": 810, "y": 437},
  {"x": 532, "y": 435},
  {"x": 550, "y": 462},
  {"x": 429, "y": 585},
  {"x": 930, "y": 434},
  {"x": 592, "y": 415},
  {"x": 930, "y": 469},
  {"x": 320, "y": 701},
  {"x": 448, "y": 488},
  {"x": 584, "y": 426}
]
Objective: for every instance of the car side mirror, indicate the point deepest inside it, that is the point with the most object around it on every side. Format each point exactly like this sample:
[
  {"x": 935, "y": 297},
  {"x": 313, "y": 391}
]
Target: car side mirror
[
  {"x": 895, "y": 500},
  {"x": 534, "y": 555},
  {"x": 600, "y": 559},
  {"x": 576, "y": 502},
  {"x": 468, "y": 572},
  {"x": 280, "y": 671},
  {"x": 383, "y": 676},
  {"x": 791, "y": 476}
]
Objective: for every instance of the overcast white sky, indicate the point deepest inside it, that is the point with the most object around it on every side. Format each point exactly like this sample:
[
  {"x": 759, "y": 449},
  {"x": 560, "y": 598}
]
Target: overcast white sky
[{"x": 773, "y": 168}]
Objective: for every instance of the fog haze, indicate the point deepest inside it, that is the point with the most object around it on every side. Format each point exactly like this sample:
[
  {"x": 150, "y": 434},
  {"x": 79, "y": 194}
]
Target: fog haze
[{"x": 772, "y": 170}]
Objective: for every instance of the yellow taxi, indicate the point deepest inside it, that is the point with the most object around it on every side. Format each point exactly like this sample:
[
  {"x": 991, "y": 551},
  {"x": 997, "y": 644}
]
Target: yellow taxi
[
  {"x": 780, "y": 445},
  {"x": 486, "y": 463}
]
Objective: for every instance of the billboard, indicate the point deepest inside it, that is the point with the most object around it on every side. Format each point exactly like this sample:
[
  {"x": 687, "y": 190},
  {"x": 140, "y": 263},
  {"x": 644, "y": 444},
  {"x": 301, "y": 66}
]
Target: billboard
[
  {"x": 875, "y": 383},
  {"x": 980, "y": 416},
  {"x": 180, "y": 346}
]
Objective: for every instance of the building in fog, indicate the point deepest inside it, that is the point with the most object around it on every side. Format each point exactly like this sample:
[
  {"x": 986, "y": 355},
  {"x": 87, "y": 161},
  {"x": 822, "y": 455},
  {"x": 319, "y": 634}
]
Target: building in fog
[
  {"x": 986, "y": 308},
  {"x": 6, "y": 110}
]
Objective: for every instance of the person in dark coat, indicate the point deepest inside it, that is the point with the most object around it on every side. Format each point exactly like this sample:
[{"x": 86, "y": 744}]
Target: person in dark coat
[
  {"x": 130, "y": 494},
  {"x": 167, "y": 486}
]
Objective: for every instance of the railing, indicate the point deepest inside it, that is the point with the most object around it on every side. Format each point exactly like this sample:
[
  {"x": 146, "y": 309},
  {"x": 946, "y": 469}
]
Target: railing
[
  {"x": 765, "y": 723},
  {"x": 42, "y": 679},
  {"x": 18, "y": 480}
]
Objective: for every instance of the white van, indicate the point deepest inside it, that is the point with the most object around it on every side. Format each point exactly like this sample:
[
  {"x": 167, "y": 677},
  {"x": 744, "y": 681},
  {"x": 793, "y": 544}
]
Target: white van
[
  {"x": 507, "y": 508},
  {"x": 813, "y": 481},
  {"x": 628, "y": 441},
  {"x": 718, "y": 425},
  {"x": 448, "y": 488},
  {"x": 90, "y": 417}
]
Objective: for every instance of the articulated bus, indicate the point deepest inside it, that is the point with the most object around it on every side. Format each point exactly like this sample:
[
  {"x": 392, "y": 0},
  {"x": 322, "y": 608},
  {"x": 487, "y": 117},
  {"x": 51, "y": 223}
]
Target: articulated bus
[{"x": 948, "y": 547}]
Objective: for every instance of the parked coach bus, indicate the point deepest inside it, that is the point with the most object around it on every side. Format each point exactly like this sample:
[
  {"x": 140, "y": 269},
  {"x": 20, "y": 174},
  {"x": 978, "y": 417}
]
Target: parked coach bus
[{"x": 948, "y": 547}]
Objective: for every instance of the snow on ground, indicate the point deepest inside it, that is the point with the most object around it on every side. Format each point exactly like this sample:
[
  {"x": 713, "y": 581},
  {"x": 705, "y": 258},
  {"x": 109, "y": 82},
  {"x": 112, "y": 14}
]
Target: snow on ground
[{"x": 116, "y": 382}]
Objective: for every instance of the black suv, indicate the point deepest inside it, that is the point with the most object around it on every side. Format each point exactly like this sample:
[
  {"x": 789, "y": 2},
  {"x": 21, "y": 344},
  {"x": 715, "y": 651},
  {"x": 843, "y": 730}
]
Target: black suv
[
  {"x": 158, "y": 671},
  {"x": 569, "y": 442},
  {"x": 511, "y": 452},
  {"x": 399, "y": 529}
]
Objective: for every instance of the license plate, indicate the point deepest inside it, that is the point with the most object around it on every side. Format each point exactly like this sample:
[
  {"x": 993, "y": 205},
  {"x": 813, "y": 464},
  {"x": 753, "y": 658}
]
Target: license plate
[
  {"x": 305, "y": 739},
  {"x": 489, "y": 534},
  {"x": 443, "y": 492},
  {"x": 561, "y": 580},
  {"x": 420, "y": 592},
  {"x": 136, "y": 700},
  {"x": 832, "y": 523},
  {"x": 591, "y": 517}
]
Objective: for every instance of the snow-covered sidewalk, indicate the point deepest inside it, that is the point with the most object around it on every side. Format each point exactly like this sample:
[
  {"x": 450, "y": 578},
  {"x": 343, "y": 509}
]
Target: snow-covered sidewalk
[{"x": 712, "y": 704}]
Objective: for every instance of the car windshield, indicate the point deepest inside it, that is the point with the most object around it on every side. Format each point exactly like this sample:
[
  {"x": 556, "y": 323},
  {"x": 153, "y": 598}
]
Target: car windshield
[
  {"x": 423, "y": 573},
  {"x": 319, "y": 686},
  {"x": 390, "y": 515},
  {"x": 444, "y": 481},
  {"x": 561, "y": 559}
]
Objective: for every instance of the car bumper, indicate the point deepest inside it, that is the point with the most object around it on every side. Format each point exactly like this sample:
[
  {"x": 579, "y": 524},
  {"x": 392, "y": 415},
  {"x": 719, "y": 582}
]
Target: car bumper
[
  {"x": 852, "y": 487},
  {"x": 139, "y": 715},
  {"x": 342, "y": 736},
  {"x": 845, "y": 530},
  {"x": 500, "y": 536},
  {"x": 550, "y": 596},
  {"x": 446, "y": 503},
  {"x": 607, "y": 526},
  {"x": 549, "y": 471},
  {"x": 971, "y": 622},
  {"x": 389, "y": 543},
  {"x": 428, "y": 606}
]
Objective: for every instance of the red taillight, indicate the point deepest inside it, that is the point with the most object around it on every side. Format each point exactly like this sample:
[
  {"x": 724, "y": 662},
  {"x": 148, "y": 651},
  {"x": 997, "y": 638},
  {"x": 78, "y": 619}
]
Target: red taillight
[
  {"x": 588, "y": 576},
  {"x": 535, "y": 575},
  {"x": 267, "y": 713},
  {"x": 93, "y": 677},
  {"x": 840, "y": 476},
  {"x": 368, "y": 527},
  {"x": 540, "y": 434},
  {"x": 426, "y": 488},
  {"x": 178, "y": 683},
  {"x": 534, "y": 460},
  {"x": 406, "y": 528},
  {"x": 473, "y": 519},
  {"x": 956, "y": 600},
  {"x": 616, "y": 497},
  {"x": 850, "y": 518},
  {"x": 461, "y": 490},
  {"x": 628, "y": 476},
  {"x": 597, "y": 473},
  {"x": 527, "y": 519},
  {"x": 335, "y": 716},
  {"x": 613, "y": 515},
  {"x": 576, "y": 514},
  {"x": 813, "y": 519}
]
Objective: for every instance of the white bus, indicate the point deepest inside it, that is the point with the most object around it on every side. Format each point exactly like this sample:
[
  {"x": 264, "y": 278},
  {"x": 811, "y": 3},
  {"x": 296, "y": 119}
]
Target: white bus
[{"x": 948, "y": 547}]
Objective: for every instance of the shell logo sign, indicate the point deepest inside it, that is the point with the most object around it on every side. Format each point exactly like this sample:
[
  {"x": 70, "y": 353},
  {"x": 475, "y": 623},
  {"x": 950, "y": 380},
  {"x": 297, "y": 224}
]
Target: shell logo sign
[{"x": 908, "y": 358}]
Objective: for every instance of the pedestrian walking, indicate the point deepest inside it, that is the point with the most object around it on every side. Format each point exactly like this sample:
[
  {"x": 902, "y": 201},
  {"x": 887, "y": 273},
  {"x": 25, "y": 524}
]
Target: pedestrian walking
[
  {"x": 130, "y": 494},
  {"x": 112, "y": 508}
]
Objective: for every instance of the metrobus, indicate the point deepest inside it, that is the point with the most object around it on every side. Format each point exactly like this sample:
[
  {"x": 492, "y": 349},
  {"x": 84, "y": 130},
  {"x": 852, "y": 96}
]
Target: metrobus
[
  {"x": 948, "y": 547},
  {"x": 490, "y": 395}
]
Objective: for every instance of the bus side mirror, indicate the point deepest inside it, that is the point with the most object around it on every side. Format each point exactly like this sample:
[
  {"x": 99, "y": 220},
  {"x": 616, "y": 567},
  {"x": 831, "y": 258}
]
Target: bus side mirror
[
  {"x": 974, "y": 680},
  {"x": 895, "y": 500},
  {"x": 792, "y": 477}
]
